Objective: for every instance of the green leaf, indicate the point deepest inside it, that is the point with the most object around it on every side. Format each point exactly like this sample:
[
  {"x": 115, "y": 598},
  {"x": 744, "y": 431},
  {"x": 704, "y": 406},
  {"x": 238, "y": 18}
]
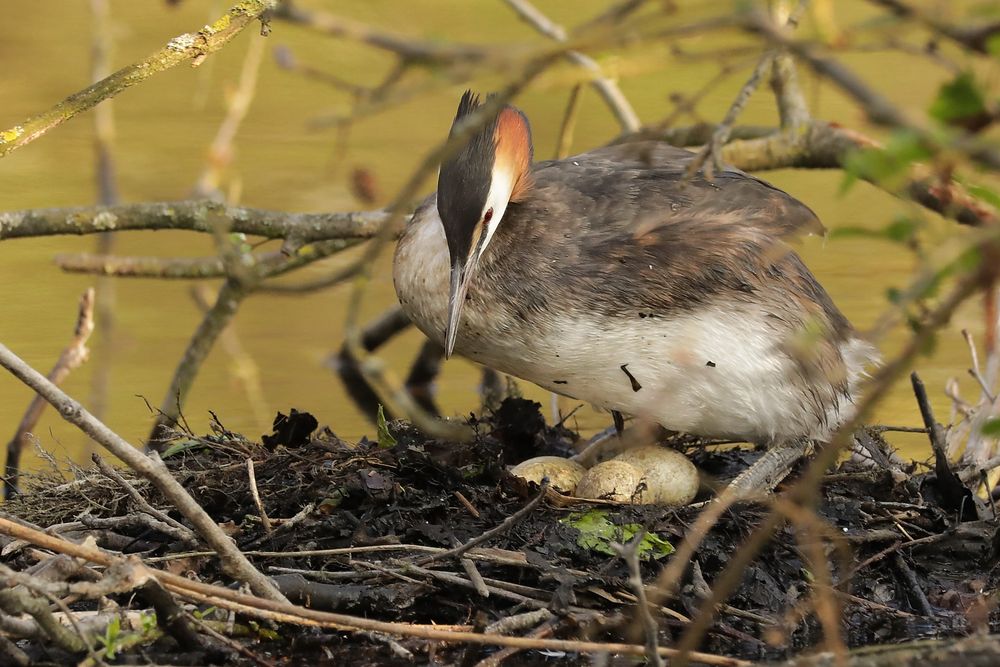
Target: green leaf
[
  {"x": 993, "y": 45},
  {"x": 263, "y": 632},
  {"x": 986, "y": 194},
  {"x": 110, "y": 639},
  {"x": 385, "y": 438},
  {"x": 991, "y": 428},
  {"x": 181, "y": 446},
  {"x": 597, "y": 533},
  {"x": 959, "y": 99},
  {"x": 901, "y": 229},
  {"x": 204, "y": 613},
  {"x": 881, "y": 165},
  {"x": 147, "y": 622}
]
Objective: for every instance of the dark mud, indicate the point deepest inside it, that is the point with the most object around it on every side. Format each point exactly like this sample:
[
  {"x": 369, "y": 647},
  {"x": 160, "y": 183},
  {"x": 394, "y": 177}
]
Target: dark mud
[{"x": 903, "y": 564}]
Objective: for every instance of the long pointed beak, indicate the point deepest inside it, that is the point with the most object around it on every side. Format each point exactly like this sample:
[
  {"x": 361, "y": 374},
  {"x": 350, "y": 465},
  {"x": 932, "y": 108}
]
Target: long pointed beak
[{"x": 461, "y": 276}]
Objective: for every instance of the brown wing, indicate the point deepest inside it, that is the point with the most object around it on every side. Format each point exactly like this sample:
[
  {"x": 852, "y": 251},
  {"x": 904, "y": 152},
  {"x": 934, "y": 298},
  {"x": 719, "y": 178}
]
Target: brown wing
[
  {"x": 630, "y": 234},
  {"x": 731, "y": 191}
]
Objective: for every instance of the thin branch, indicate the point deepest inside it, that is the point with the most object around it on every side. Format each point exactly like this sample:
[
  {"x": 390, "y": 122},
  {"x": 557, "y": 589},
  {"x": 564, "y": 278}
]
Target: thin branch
[
  {"x": 974, "y": 37},
  {"x": 165, "y": 268},
  {"x": 630, "y": 554},
  {"x": 265, "y": 521},
  {"x": 107, "y": 190},
  {"x": 876, "y": 106},
  {"x": 234, "y": 290},
  {"x": 975, "y": 371},
  {"x": 71, "y": 358},
  {"x": 412, "y": 50},
  {"x": 220, "y": 152},
  {"x": 499, "y": 529},
  {"x": 605, "y": 87},
  {"x": 215, "y": 320},
  {"x": 245, "y": 368},
  {"x": 568, "y": 124},
  {"x": 721, "y": 135},
  {"x": 189, "y": 47},
  {"x": 374, "y": 335},
  {"x": 187, "y": 535}
]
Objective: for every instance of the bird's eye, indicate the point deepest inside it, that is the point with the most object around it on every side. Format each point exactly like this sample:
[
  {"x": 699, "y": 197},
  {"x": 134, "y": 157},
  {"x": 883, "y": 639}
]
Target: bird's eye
[{"x": 488, "y": 216}]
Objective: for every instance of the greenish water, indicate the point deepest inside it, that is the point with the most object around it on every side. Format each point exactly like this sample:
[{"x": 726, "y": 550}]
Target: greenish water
[{"x": 164, "y": 127}]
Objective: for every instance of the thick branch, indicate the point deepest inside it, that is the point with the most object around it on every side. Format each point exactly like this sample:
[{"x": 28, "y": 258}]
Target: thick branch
[
  {"x": 217, "y": 318},
  {"x": 820, "y": 145},
  {"x": 196, "y": 215},
  {"x": 193, "y": 47},
  {"x": 876, "y": 106}
]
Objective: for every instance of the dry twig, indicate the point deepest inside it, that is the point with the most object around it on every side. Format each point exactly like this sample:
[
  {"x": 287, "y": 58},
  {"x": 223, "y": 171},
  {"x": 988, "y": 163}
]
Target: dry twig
[
  {"x": 71, "y": 358},
  {"x": 226, "y": 598}
]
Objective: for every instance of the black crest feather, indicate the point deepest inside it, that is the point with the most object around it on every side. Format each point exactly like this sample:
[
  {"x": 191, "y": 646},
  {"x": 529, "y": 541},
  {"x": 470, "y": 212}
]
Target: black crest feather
[{"x": 464, "y": 180}]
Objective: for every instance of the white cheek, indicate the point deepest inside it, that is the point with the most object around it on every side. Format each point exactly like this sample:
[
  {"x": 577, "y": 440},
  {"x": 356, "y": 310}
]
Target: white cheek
[{"x": 497, "y": 199}]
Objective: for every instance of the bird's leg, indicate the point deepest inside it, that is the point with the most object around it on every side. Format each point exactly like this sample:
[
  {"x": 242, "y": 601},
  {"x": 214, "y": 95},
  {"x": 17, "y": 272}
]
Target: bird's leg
[
  {"x": 491, "y": 390},
  {"x": 768, "y": 471},
  {"x": 619, "y": 422},
  {"x": 610, "y": 442},
  {"x": 376, "y": 334},
  {"x": 420, "y": 382},
  {"x": 598, "y": 447}
]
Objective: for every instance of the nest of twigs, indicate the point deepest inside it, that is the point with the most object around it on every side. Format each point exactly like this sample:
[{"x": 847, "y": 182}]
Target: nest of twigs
[{"x": 394, "y": 531}]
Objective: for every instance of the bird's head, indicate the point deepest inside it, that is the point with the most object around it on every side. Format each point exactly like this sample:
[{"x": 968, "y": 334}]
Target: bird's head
[{"x": 475, "y": 186}]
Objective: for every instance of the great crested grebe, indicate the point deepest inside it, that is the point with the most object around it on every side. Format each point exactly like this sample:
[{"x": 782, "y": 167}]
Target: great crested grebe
[{"x": 612, "y": 278}]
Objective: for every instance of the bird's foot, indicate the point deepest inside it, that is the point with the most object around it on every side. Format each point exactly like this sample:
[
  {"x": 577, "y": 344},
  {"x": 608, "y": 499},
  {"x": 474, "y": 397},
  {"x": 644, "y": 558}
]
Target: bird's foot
[
  {"x": 770, "y": 469},
  {"x": 616, "y": 439}
]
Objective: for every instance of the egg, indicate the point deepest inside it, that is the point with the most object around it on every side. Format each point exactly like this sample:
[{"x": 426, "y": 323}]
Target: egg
[
  {"x": 610, "y": 480},
  {"x": 669, "y": 477},
  {"x": 563, "y": 474}
]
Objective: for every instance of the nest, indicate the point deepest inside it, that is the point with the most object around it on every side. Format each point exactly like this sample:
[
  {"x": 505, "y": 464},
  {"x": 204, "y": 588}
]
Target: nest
[{"x": 366, "y": 529}]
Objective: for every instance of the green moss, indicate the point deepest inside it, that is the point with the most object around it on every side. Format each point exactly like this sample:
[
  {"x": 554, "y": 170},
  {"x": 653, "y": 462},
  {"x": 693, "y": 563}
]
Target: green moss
[
  {"x": 10, "y": 135},
  {"x": 218, "y": 26}
]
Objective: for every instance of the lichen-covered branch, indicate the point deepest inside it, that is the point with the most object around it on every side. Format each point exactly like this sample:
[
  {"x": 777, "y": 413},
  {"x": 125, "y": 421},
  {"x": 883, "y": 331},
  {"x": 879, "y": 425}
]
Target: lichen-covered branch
[
  {"x": 189, "y": 47},
  {"x": 193, "y": 215}
]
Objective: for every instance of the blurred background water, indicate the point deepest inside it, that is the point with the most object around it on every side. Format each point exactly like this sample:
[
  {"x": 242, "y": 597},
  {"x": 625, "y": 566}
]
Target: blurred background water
[{"x": 164, "y": 127}]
